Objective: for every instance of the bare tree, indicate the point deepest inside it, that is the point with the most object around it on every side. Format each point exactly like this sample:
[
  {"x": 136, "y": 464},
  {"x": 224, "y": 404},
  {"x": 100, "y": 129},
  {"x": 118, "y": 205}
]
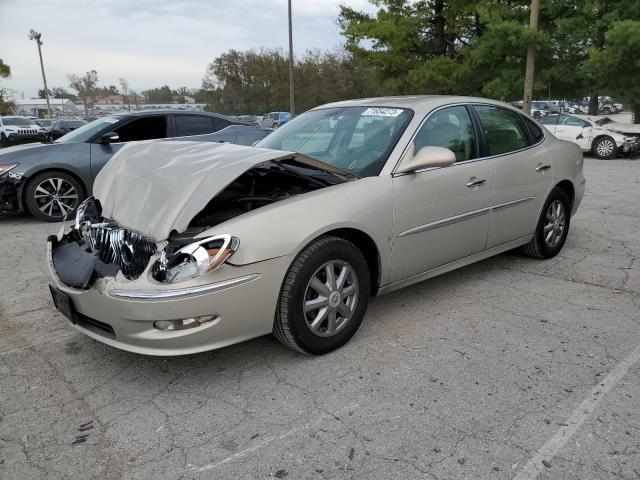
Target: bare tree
[
  {"x": 126, "y": 91},
  {"x": 86, "y": 86}
]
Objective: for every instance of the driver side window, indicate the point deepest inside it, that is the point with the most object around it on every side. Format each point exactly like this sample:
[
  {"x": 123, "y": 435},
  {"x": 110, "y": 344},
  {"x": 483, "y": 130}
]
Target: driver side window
[
  {"x": 450, "y": 128},
  {"x": 145, "y": 128}
]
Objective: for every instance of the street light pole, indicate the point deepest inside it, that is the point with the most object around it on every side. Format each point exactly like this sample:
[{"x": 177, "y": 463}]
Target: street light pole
[
  {"x": 531, "y": 58},
  {"x": 292, "y": 106},
  {"x": 33, "y": 35}
]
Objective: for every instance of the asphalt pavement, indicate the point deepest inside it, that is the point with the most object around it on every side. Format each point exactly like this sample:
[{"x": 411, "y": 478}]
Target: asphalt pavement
[{"x": 509, "y": 368}]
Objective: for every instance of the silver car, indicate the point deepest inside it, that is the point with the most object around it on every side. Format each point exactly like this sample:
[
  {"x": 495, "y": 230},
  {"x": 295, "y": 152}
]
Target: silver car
[{"x": 190, "y": 246}]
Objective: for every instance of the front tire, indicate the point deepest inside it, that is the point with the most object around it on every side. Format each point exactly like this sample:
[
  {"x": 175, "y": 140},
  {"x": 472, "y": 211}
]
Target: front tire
[
  {"x": 52, "y": 196},
  {"x": 323, "y": 298},
  {"x": 553, "y": 227},
  {"x": 605, "y": 148}
]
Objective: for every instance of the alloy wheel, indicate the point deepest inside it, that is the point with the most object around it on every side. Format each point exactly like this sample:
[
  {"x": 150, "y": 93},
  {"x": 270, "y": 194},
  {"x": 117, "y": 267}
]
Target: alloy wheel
[
  {"x": 605, "y": 148},
  {"x": 331, "y": 298},
  {"x": 555, "y": 223},
  {"x": 55, "y": 197}
]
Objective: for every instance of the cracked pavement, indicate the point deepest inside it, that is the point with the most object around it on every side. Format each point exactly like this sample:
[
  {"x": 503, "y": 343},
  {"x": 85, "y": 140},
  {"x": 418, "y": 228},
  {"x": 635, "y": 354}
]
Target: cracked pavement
[{"x": 465, "y": 375}]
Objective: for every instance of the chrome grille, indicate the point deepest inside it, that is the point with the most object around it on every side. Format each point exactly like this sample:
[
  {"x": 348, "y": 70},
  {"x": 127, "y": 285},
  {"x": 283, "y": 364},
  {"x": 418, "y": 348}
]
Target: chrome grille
[
  {"x": 27, "y": 131},
  {"x": 115, "y": 245}
]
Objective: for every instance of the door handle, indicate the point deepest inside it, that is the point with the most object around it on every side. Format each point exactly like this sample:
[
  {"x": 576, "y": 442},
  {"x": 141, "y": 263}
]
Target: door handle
[
  {"x": 542, "y": 168},
  {"x": 475, "y": 182}
]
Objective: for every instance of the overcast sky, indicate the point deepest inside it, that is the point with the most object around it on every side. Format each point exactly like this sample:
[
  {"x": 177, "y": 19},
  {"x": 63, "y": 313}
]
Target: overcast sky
[{"x": 151, "y": 42}]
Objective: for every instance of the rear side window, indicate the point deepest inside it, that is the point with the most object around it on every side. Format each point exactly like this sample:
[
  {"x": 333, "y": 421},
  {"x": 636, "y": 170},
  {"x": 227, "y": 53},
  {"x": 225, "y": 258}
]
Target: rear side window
[
  {"x": 548, "y": 119},
  {"x": 450, "y": 128},
  {"x": 534, "y": 130},
  {"x": 502, "y": 128},
  {"x": 193, "y": 125}
]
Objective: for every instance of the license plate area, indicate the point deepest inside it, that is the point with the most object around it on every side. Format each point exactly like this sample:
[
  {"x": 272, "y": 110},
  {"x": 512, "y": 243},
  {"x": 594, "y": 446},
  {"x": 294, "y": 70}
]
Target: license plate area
[{"x": 63, "y": 303}]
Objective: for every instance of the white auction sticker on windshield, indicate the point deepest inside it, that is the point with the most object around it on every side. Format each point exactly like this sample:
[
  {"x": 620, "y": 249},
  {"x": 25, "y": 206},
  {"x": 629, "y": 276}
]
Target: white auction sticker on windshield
[
  {"x": 382, "y": 112},
  {"x": 111, "y": 120}
]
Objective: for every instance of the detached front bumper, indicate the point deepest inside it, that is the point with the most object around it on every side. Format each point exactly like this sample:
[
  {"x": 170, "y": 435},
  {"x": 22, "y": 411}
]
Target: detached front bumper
[
  {"x": 11, "y": 186},
  {"x": 122, "y": 313},
  {"x": 631, "y": 145}
]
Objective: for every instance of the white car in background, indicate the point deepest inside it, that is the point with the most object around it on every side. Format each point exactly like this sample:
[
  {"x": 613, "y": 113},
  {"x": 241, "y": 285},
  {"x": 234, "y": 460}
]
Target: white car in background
[
  {"x": 17, "y": 129},
  {"x": 603, "y": 136}
]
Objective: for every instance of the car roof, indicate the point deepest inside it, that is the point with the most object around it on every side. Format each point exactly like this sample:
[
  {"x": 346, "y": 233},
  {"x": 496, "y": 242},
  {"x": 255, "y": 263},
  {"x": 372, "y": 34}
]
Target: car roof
[
  {"x": 419, "y": 103},
  {"x": 168, "y": 111}
]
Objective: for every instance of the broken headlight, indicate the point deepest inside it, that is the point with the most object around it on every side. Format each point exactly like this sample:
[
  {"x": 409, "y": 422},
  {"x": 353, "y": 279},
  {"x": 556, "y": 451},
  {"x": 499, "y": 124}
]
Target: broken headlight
[
  {"x": 194, "y": 259},
  {"x": 88, "y": 211}
]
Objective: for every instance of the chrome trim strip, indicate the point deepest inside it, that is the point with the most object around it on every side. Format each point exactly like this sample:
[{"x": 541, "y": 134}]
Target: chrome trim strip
[
  {"x": 512, "y": 203},
  {"x": 444, "y": 222},
  {"x": 182, "y": 292},
  {"x": 465, "y": 216}
]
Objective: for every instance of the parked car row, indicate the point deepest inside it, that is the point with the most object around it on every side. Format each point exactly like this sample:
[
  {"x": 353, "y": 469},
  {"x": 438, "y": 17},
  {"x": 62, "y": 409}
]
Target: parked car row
[
  {"x": 50, "y": 180},
  {"x": 186, "y": 248}
]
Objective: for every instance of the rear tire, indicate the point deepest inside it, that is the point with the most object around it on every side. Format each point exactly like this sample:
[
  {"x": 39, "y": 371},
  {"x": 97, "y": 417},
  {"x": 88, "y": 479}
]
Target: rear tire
[
  {"x": 553, "y": 227},
  {"x": 50, "y": 196},
  {"x": 318, "y": 312}
]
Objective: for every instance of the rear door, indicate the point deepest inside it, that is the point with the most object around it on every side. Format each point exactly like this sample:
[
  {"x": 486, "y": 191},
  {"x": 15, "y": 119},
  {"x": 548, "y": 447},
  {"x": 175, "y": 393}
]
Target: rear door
[
  {"x": 521, "y": 172},
  {"x": 442, "y": 214},
  {"x": 138, "y": 128}
]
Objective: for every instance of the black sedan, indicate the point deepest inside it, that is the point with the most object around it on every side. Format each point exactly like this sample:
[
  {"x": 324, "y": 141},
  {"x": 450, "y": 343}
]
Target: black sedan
[
  {"x": 62, "y": 127},
  {"x": 51, "y": 180}
]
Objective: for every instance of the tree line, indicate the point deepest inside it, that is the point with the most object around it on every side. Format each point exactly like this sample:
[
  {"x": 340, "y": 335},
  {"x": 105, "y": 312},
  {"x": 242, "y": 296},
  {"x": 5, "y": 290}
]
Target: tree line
[{"x": 584, "y": 48}]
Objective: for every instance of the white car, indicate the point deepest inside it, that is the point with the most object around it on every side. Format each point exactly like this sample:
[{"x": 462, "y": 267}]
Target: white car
[
  {"x": 20, "y": 129},
  {"x": 604, "y": 137}
]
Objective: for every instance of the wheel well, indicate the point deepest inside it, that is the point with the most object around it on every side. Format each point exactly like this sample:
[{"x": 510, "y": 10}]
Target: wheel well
[
  {"x": 47, "y": 170},
  {"x": 567, "y": 186},
  {"x": 604, "y": 135},
  {"x": 368, "y": 248}
]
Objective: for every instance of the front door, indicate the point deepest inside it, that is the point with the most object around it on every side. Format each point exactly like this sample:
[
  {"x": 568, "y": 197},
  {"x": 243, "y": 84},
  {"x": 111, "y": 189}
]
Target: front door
[
  {"x": 441, "y": 215},
  {"x": 142, "y": 128},
  {"x": 574, "y": 129}
]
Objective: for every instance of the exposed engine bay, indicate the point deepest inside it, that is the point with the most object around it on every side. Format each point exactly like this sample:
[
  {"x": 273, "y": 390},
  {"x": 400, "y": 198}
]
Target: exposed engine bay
[{"x": 96, "y": 247}]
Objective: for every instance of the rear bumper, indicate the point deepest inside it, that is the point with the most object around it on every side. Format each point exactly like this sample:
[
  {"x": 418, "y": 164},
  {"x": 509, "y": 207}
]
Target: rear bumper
[{"x": 122, "y": 313}]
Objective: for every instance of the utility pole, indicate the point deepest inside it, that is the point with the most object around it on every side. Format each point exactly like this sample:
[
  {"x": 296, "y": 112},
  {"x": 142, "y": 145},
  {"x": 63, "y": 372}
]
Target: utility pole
[
  {"x": 33, "y": 35},
  {"x": 531, "y": 59},
  {"x": 292, "y": 106}
]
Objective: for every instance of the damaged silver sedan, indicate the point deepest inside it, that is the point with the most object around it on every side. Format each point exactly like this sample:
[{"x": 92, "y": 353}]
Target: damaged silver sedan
[{"x": 189, "y": 246}]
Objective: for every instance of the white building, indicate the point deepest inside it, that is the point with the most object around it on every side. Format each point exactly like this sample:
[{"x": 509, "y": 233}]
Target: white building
[{"x": 38, "y": 106}]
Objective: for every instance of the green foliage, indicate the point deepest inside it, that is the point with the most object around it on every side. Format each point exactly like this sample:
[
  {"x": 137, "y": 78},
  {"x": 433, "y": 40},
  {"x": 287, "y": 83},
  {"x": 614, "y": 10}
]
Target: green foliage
[
  {"x": 478, "y": 47},
  {"x": 617, "y": 64},
  {"x": 258, "y": 81},
  {"x": 6, "y": 105},
  {"x": 158, "y": 95},
  {"x": 86, "y": 86}
]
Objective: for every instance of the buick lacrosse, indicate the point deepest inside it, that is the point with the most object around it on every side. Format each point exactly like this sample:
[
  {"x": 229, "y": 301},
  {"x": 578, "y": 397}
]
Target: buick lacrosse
[{"x": 191, "y": 246}]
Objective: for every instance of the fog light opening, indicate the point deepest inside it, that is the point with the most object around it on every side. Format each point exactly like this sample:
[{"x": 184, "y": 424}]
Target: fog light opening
[{"x": 184, "y": 323}]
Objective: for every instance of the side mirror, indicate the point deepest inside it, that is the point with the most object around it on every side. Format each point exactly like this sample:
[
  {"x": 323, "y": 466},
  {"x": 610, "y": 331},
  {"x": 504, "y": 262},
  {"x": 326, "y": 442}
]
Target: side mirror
[
  {"x": 110, "y": 137},
  {"x": 428, "y": 157}
]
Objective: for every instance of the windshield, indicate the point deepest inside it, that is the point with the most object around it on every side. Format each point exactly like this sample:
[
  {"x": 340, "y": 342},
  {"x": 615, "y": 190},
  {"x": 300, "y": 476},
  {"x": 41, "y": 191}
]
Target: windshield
[
  {"x": 85, "y": 132},
  {"x": 604, "y": 121},
  {"x": 17, "y": 121},
  {"x": 356, "y": 139}
]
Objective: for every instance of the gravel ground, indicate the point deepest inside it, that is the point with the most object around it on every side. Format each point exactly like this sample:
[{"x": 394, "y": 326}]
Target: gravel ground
[{"x": 510, "y": 368}]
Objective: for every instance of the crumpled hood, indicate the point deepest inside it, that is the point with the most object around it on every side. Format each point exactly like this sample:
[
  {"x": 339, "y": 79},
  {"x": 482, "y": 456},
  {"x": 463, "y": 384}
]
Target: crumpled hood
[
  {"x": 155, "y": 187},
  {"x": 622, "y": 127}
]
